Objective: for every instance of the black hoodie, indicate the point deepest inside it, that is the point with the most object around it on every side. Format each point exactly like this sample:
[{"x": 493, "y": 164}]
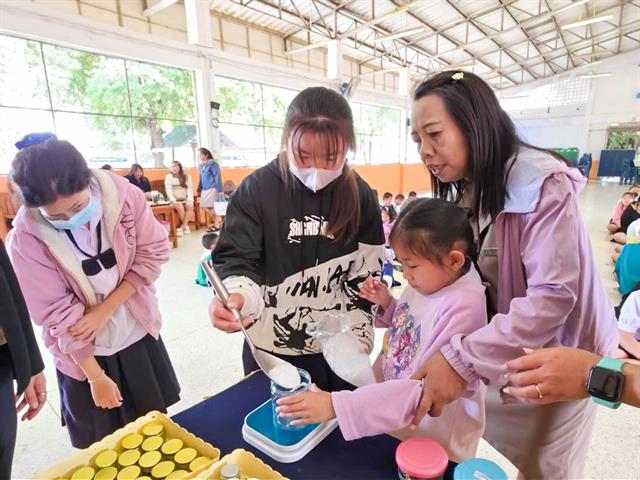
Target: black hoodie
[{"x": 271, "y": 249}]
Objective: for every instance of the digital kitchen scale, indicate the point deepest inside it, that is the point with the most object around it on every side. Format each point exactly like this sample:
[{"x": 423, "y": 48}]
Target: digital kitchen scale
[{"x": 285, "y": 446}]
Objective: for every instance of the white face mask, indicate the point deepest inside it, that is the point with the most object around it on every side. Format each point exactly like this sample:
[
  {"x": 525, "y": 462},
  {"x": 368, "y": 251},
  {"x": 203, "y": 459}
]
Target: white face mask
[{"x": 314, "y": 179}]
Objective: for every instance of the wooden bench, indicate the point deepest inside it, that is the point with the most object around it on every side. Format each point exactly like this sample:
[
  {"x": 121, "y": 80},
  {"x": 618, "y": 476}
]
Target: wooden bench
[{"x": 9, "y": 206}]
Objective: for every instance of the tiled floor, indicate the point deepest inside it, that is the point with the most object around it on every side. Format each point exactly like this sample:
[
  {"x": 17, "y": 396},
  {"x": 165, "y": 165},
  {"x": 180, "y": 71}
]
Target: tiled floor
[{"x": 208, "y": 361}]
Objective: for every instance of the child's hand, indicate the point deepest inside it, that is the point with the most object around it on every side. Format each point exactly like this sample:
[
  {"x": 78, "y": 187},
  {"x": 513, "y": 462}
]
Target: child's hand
[
  {"x": 314, "y": 406},
  {"x": 105, "y": 392},
  {"x": 94, "y": 320},
  {"x": 375, "y": 291}
]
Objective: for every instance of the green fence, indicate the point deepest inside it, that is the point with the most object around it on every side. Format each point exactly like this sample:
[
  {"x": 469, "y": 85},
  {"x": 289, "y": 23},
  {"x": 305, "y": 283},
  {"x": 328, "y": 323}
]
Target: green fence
[{"x": 571, "y": 154}]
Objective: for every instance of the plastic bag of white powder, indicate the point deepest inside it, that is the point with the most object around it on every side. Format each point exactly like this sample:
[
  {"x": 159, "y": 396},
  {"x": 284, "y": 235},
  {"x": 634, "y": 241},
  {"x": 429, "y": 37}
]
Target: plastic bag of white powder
[{"x": 342, "y": 351}]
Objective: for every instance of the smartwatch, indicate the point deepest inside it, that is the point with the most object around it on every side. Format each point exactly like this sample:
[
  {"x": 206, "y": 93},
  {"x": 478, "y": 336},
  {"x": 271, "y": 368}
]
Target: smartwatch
[{"x": 606, "y": 382}]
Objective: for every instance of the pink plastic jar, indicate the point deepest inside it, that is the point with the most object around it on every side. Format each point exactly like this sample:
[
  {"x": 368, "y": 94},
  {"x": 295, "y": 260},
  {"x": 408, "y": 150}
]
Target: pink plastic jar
[{"x": 421, "y": 458}]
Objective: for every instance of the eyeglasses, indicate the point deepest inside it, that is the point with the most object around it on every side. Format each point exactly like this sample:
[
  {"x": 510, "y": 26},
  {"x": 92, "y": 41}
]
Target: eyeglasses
[{"x": 95, "y": 263}]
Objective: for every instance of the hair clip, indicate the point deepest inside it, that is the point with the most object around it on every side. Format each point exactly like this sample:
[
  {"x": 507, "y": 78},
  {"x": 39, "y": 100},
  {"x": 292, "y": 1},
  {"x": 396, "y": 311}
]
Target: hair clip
[
  {"x": 34, "y": 139},
  {"x": 457, "y": 76}
]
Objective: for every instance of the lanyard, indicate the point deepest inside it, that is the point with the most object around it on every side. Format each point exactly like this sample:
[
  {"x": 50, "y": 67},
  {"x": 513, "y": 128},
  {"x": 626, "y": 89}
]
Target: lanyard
[{"x": 75, "y": 244}]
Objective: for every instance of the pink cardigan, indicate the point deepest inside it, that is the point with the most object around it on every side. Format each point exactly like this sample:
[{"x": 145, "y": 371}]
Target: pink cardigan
[
  {"x": 549, "y": 290},
  {"x": 56, "y": 289}
]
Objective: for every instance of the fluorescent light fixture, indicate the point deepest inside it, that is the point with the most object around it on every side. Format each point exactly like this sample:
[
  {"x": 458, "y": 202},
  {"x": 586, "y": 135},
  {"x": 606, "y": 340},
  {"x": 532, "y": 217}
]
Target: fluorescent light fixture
[
  {"x": 511, "y": 97},
  {"x": 598, "y": 53},
  {"x": 403, "y": 33},
  {"x": 570, "y": 6},
  {"x": 386, "y": 70},
  {"x": 595, "y": 75},
  {"x": 393, "y": 13},
  {"x": 311, "y": 46},
  {"x": 460, "y": 66},
  {"x": 614, "y": 124},
  {"x": 590, "y": 64},
  {"x": 587, "y": 21}
]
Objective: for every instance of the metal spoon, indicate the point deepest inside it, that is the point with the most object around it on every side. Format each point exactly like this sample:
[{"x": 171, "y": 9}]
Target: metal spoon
[{"x": 265, "y": 360}]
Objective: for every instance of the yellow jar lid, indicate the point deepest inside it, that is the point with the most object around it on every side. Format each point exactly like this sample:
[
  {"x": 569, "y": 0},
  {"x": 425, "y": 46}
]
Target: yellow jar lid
[
  {"x": 150, "y": 459},
  {"x": 106, "y": 458},
  {"x": 108, "y": 473},
  {"x": 185, "y": 456},
  {"x": 177, "y": 475},
  {"x": 152, "y": 443},
  {"x": 173, "y": 446},
  {"x": 129, "y": 457},
  {"x": 199, "y": 463},
  {"x": 163, "y": 469},
  {"x": 152, "y": 429},
  {"x": 129, "y": 473},
  {"x": 83, "y": 473},
  {"x": 131, "y": 441}
]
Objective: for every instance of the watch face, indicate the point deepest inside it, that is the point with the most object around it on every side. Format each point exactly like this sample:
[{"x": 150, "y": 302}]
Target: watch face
[{"x": 606, "y": 384}]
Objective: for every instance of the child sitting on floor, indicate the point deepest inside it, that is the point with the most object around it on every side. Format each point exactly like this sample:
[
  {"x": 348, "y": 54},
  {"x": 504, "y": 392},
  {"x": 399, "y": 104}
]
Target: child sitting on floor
[
  {"x": 615, "y": 222},
  {"x": 209, "y": 241},
  {"x": 629, "y": 326},
  {"x": 445, "y": 299}
]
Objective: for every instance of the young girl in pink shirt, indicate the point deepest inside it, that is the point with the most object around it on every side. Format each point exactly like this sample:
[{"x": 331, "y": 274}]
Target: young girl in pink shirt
[{"x": 445, "y": 297}]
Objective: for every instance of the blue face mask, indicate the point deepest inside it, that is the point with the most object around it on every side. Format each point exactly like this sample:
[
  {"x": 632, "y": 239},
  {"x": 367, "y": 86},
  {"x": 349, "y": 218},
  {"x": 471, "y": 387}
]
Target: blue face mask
[{"x": 75, "y": 222}]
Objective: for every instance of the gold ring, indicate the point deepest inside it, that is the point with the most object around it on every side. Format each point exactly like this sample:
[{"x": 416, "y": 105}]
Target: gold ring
[{"x": 538, "y": 390}]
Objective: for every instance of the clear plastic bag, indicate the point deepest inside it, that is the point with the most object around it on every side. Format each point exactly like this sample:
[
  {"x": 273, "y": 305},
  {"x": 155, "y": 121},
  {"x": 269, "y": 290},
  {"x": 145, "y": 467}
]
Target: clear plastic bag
[{"x": 342, "y": 351}]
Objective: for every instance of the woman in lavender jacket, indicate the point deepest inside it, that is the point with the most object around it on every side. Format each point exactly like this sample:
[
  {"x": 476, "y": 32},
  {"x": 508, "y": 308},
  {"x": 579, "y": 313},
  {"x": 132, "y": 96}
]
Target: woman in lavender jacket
[{"x": 536, "y": 258}]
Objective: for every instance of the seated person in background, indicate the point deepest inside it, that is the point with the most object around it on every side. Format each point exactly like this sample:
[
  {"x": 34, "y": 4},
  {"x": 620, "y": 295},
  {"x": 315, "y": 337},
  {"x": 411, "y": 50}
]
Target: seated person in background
[
  {"x": 616, "y": 216},
  {"x": 106, "y": 166},
  {"x": 209, "y": 241},
  {"x": 387, "y": 201},
  {"x": 387, "y": 268},
  {"x": 179, "y": 189},
  {"x": 635, "y": 189},
  {"x": 629, "y": 326},
  {"x": 412, "y": 196},
  {"x": 627, "y": 266},
  {"x": 228, "y": 188},
  {"x": 136, "y": 177},
  {"x": 633, "y": 230},
  {"x": 629, "y": 215},
  {"x": 399, "y": 200}
]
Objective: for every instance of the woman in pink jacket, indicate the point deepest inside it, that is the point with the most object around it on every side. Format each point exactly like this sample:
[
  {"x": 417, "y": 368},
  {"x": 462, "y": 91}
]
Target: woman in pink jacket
[
  {"x": 87, "y": 249},
  {"x": 535, "y": 255}
]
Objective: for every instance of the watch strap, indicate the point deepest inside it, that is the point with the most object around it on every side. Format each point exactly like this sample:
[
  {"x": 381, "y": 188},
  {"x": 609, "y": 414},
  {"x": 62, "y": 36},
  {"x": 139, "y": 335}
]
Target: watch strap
[
  {"x": 615, "y": 365},
  {"x": 611, "y": 364}
]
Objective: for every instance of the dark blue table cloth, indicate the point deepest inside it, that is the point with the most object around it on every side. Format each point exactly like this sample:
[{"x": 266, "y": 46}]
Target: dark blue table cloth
[{"x": 219, "y": 420}]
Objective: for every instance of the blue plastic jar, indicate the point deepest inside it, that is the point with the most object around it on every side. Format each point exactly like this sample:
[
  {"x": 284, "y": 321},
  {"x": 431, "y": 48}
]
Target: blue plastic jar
[{"x": 478, "y": 469}]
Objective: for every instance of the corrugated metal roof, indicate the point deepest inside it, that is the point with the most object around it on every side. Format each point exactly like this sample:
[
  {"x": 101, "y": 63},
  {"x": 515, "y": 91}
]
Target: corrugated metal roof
[{"x": 509, "y": 42}]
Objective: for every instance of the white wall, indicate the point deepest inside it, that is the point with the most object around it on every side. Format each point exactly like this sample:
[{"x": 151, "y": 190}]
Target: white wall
[{"x": 611, "y": 99}]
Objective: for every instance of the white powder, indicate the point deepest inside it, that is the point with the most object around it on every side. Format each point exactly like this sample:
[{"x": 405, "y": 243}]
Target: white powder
[
  {"x": 285, "y": 375},
  {"x": 344, "y": 355}
]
